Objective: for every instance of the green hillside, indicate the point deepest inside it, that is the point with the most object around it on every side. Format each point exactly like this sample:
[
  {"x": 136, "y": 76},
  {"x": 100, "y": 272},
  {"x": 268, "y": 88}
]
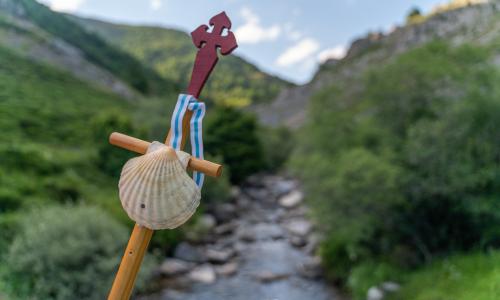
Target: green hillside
[
  {"x": 95, "y": 49},
  {"x": 404, "y": 168},
  {"x": 171, "y": 53}
]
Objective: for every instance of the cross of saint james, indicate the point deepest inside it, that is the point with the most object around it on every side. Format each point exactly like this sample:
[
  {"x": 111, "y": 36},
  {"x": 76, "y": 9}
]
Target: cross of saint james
[{"x": 206, "y": 58}]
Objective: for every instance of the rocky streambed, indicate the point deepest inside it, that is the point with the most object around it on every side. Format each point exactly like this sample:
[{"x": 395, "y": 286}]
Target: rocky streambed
[{"x": 262, "y": 248}]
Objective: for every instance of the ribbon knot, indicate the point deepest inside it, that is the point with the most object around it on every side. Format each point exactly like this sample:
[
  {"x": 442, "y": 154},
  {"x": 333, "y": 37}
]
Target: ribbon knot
[{"x": 184, "y": 103}]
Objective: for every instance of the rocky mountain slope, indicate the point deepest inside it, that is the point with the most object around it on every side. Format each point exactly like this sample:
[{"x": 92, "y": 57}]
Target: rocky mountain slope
[
  {"x": 478, "y": 24},
  {"x": 128, "y": 60},
  {"x": 34, "y": 31},
  {"x": 170, "y": 53}
]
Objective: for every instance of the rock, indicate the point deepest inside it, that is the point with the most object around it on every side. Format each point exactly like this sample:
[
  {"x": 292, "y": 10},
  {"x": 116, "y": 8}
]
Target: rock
[
  {"x": 173, "y": 266},
  {"x": 265, "y": 231},
  {"x": 298, "y": 241},
  {"x": 225, "y": 212},
  {"x": 243, "y": 202},
  {"x": 257, "y": 193},
  {"x": 374, "y": 293},
  {"x": 282, "y": 187},
  {"x": 219, "y": 256},
  {"x": 268, "y": 276},
  {"x": 185, "y": 251},
  {"x": 247, "y": 235},
  {"x": 228, "y": 269},
  {"x": 203, "y": 274},
  {"x": 311, "y": 269},
  {"x": 390, "y": 286},
  {"x": 207, "y": 222},
  {"x": 312, "y": 244},
  {"x": 291, "y": 199},
  {"x": 225, "y": 229},
  {"x": 235, "y": 192},
  {"x": 299, "y": 227}
]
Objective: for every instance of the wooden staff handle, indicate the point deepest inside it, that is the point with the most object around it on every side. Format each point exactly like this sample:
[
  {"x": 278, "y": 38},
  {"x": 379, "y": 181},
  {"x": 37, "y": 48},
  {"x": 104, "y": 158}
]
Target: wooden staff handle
[{"x": 139, "y": 146}]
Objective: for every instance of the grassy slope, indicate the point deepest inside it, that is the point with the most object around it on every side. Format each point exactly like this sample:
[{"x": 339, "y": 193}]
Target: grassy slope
[
  {"x": 47, "y": 145},
  {"x": 171, "y": 53},
  {"x": 464, "y": 277},
  {"x": 96, "y": 50}
]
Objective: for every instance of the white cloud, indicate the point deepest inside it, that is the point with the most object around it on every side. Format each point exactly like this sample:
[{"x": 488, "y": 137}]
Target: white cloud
[
  {"x": 336, "y": 52},
  {"x": 64, "y": 5},
  {"x": 156, "y": 4},
  {"x": 299, "y": 52},
  {"x": 252, "y": 32}
]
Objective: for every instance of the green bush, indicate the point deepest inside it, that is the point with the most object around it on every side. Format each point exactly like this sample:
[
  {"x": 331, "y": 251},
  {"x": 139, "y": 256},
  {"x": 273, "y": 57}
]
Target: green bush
[
  {"x": 277, "y": 144},
  {"x": 111, "y": 159},
  {"x": 232, "y": 135},
  {"x": 69, "y": 252},
  {"x": 216, "y": 189},
  {"x": 405, "y": 168}
]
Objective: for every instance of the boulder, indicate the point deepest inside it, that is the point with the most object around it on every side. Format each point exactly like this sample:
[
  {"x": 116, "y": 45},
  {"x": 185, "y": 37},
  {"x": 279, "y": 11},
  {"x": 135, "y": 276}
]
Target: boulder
[
  {"x": 187, "y": 252},
  {"x": 203, "y": 274},
  {"x": 225, "y": 212},
  {"x": 374, "y": 293},
  {"x": 225, "y": 229},
  {"x": 228, "y": 269},
  {"x": 390, "y": 286},
  {"x": 207, "y": 222},
  {"x": 247, "y": 235},
  {"x": 257, "y": 193},
  {"x": 235, "y": 192},
  {"x": 291, "y": 199},
  {"x": 268, "y": 276},
  {"x": 219, "y": 256},
  {"x": 300, "y": 227},
  {"x": 173, "y": 266},
  {"x": 311, "y": 268},
  {"x": 298, "y": 241},
  {"x": 282, "y": 187}
]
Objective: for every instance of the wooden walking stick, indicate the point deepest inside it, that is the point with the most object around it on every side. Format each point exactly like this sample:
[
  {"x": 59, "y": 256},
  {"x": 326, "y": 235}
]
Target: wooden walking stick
[{"x": 206, "y": 59}]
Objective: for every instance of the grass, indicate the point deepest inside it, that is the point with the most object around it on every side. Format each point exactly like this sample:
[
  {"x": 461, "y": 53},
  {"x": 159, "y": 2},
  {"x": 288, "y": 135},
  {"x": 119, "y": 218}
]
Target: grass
[{"x": 461, "y": 277}]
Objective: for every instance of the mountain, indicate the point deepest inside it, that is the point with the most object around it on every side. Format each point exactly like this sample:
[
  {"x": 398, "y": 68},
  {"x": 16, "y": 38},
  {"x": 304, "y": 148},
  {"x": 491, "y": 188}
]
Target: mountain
[
  {"x": 33, "y": 30},
  {"x": 398, "y": 154},
  {"x": 171, "y": 53},
  {"x": 459, "y": 22}
]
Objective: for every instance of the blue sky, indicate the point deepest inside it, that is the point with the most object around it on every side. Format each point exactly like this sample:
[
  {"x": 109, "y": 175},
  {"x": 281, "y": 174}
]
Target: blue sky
[{"x": 288, "y": 38}]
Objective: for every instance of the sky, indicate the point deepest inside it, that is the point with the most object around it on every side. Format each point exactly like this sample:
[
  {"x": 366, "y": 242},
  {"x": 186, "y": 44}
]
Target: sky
[{"x": 288, "y": 38}]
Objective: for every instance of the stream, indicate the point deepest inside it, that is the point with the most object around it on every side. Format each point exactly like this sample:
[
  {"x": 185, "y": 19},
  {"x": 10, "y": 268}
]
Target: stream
[{"x": 262, "y": 248}]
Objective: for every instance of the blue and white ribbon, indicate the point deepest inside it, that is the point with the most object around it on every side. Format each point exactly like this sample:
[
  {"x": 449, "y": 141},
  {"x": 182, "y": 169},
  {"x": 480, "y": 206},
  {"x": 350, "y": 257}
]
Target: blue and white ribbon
[{"x": 188, "y": 102}]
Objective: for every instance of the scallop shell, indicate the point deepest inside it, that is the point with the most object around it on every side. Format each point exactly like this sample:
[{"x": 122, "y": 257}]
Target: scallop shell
[{"x": 155, "y": 189}]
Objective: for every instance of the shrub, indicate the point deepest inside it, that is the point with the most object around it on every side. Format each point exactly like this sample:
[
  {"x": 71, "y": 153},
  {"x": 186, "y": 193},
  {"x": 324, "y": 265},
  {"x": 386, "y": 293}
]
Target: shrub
[
  {"x": 110, "y": 158},
  {"x": 216, "y": 189},
  {"x": 232, "y": 135},
  {"x": 69, "y": 252},
  {"x": 277, "y": 145}
]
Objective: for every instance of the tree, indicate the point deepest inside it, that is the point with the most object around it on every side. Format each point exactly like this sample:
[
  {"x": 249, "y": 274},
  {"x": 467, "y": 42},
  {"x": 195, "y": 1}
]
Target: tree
[
  {"x": 232, "y": 134},
  {"x": 414, "y": 16}
]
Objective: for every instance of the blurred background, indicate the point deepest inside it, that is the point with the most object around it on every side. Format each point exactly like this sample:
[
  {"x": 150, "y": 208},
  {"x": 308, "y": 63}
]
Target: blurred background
[{"x": 361, "y": 144}]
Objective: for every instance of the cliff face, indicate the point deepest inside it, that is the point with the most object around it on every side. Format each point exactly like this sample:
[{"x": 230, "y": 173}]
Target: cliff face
[{"x": 477, "y": 23}]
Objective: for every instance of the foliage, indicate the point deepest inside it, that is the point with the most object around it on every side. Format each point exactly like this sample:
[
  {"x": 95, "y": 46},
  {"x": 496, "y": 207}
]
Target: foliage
[
  {"x": 460, "y": 277},
  {"x": 171, "y": 53},
  {"x": 414, "y": 16},
  {"x": 232, "y": 135},
  {"x": 277, "y": 144},
  {"x": 368, "y": 274},
  {"x": 110, "y": 159},
  {"x": 405, "y": 169},
  {"x": 67, "y": 252},
  {"x": 216, "y": 190}
]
